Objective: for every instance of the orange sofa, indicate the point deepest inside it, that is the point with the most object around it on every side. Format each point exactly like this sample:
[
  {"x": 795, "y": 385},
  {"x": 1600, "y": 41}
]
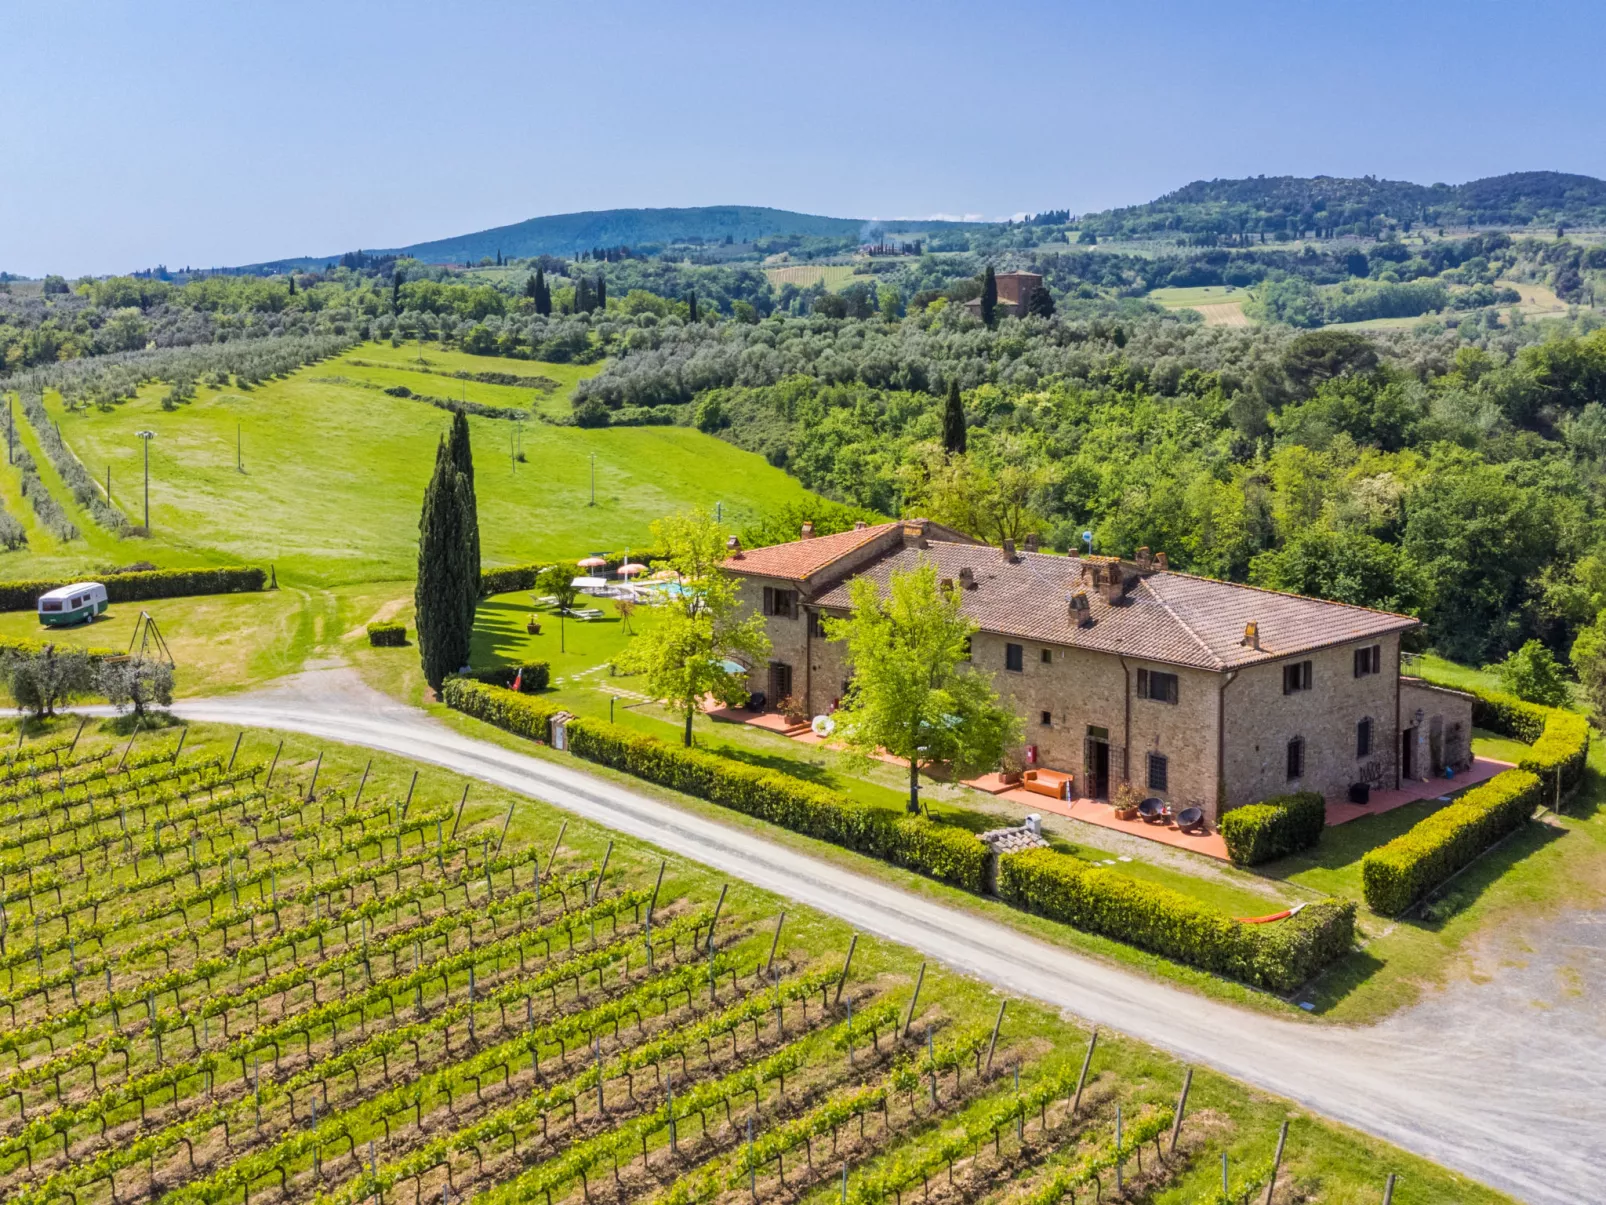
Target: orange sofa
[{"x": 1053, "y": 783}]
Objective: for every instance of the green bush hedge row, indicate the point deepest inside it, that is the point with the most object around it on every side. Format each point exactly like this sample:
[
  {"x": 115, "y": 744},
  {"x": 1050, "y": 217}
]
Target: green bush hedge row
[
  {"x": 1274, "y": 828},
  {"x": 387, "y": 635},
  {"x": 537, "y": 676},
  {"x": 1558, "y": 740},
  {"x": 145, "y": 584},
  {"x": 1279, "y": 956},
  {"x": 520, "y": 714},
  {"x": 25, "y": 647},
  {"x": 942, "y": 851},
  {"x": 1398, "y": 874}
]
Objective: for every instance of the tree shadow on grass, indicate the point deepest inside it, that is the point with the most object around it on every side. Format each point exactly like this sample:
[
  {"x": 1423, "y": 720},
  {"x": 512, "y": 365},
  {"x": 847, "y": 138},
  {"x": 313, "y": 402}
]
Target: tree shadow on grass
[{"x": 499, "y": 633}]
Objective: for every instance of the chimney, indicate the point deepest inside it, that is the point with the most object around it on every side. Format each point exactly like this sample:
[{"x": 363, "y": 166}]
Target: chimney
[
  {"x": 1144, "y": 559},
  {"x": 1159, "y": 562},
  {"x": 914, "y": 533},
  {"x": 1081, "y": 613},
  {"x": 967, "y": 578},
  {"x": 1114, "y": 584},
  {"x": 1251, "y": 635},
  {"x": 859, "y": 525},
  {"x": 733, "y": 547},
  {"x": 1009, "y": 552},
  {"x": 808, "y": 530},
  {"x": 1031, "y": 542}
]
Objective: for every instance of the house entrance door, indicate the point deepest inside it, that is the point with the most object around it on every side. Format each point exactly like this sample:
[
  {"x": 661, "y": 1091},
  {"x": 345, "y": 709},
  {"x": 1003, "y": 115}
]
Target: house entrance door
[
  {"x": 1408, "y": 753},
  {"x": 1096, "y": 763}
]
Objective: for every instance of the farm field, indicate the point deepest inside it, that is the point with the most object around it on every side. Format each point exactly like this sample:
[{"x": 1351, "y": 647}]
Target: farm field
[
  {"x": 335, "y": 469},
  {"x": 295, "y": 972},
  {"x": 832, "y": 276},
  {"x": 1220, "y": 305}
]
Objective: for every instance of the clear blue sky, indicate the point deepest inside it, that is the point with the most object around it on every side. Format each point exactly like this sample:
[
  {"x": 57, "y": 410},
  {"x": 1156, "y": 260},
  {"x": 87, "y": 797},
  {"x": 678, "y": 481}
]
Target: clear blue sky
[{"x": 212, "y": 134}]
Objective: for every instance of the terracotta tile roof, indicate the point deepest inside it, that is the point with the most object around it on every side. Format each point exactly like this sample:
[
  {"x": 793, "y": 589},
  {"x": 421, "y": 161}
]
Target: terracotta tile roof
[
  {"x": 801, "y": 559},
  {"x": 1169, "y": 617}
]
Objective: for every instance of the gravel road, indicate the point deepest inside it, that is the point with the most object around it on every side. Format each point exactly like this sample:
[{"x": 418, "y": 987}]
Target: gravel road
[{"x": 1501, "y": 1079}]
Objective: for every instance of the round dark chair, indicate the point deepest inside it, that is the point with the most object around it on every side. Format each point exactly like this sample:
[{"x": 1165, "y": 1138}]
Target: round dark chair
[
  {"x": 1153, "y": 809},
  {"x": 1190, "y": 818}
]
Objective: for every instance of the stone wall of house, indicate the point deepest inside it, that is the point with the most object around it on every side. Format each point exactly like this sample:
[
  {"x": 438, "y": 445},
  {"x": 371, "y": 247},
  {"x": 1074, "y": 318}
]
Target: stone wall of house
[
  {"x": 788, "y": 637},
  {"x": 1261, "y": 720},
  {"x": 1437, "y": 725}
]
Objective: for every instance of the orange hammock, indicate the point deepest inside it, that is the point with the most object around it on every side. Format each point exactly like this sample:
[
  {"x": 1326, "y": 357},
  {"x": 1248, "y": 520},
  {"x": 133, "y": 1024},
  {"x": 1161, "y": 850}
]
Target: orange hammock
[{"x": 1266, "y": 920}]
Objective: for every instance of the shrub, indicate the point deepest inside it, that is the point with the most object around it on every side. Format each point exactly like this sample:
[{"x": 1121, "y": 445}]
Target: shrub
[
  {"x": 536, "y": 676},
  {"x": 951, "y": 854},
  {"x": 1532, "y": 674},
  {"x": 387, "y": 635},
  {"x": 1401, "y": 872},
  {"x": 142, "y": 585},
  {"x": 517, "y": 713},
  {"x": 1274, "y": 828},
  {"x": 509, "y": 578},
  {"x": 1559, "y": 739},
  {"x": 1279, "y": 956}
]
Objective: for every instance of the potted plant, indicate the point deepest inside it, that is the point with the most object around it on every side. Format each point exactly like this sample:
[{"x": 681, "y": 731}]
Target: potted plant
[
  {"x": 1010, "y": 767},
  {"x": 532, "y": 626},
  {"x": 794, "y": 710},
  {"x": 1126, "y": 800}
]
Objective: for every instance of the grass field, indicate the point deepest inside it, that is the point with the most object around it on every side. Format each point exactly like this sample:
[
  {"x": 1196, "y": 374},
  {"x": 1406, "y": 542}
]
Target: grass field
[
  {"x": 1220, "y": 305},
  {"x": 335, "y": 470},
  {"x": 804, "y": 276},
  {"x": 350, "y": 1050}
]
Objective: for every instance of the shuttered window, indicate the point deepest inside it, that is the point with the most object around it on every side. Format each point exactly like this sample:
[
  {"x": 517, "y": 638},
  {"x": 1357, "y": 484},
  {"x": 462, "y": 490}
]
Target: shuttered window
[
  {"x": 1296, "y": 677},
  {"x": 1153, "y": 684},
  {"x": 1369, "y": 660}
]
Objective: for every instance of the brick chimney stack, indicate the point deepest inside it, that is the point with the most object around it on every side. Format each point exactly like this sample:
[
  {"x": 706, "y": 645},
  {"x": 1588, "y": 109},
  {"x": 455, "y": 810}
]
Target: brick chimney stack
[
  {"x": 1009, "y": 552},
  {"x": 733, "y": 547},
  {"x": 808, "y": 530}
]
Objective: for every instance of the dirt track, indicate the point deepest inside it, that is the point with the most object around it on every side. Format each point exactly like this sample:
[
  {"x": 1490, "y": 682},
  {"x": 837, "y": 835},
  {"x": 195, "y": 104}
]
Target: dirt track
[{"x": 1502, "y": 1080}]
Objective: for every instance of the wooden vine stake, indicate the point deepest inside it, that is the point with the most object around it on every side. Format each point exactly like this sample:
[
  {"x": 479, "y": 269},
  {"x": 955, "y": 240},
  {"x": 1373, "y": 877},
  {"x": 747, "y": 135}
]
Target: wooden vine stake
[
  {"x": 853, "y": 943},
  {"x": 775, "y": 941},
  {"x": 1277, "y": 1161},
  {"x": 992, "y": 1046},
  {"x": 909, "y": 1017},
  {"x": 1182, "y": 1104},
  {"x": 556, "y": 845},
  {"x": 1087, "y": 1062},
  {"x": 1388, "y": 1189}
]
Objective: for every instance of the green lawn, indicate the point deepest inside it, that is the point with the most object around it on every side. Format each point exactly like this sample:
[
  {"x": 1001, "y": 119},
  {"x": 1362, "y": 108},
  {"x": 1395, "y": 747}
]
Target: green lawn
[
  {"x": 1325, "y": 1161},
  {"x": 335, "y": 470},
  {"x": 1197, "y": 295}
]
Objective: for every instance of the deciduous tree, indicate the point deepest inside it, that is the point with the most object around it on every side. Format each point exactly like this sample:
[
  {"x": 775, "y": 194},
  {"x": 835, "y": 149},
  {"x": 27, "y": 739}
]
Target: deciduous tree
[
  {"x": 914, "y": 693},
  {"x": 688, "y": 652}
]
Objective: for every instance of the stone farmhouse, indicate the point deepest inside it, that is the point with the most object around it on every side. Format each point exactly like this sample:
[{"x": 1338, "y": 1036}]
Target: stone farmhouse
[
  {"x": 1014, "y": 291},
  {"x": 1198, "y": 691}
]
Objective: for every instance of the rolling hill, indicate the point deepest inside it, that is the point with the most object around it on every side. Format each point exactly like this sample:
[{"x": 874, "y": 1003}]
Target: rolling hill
[
  {"x": 570, "y": 233},
  {"x": 1333, "y": 204}
]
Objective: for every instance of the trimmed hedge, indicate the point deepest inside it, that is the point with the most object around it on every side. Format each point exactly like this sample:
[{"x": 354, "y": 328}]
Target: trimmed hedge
[
  {"x": 25, "y": 647},
  {"x": 951, "y": 854},
  {"x": 1274, "y": 828},
  {"x": 145, "y": 584},
  {"x": 387, "y": 635},
  {"x": 537, "y": 675},
  {"x": 1398, "y": 874},
  {"x": 509, "y": 578},
  {"x": 1558, "y": 740},
  {"x": 942, "y": 851},
  {"x": 1280, "y": 956},
  {"x": 520, "y": 714}
]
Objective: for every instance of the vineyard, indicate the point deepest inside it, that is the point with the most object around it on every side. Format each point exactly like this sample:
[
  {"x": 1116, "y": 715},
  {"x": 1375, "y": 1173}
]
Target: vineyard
[{"x": 230, "y": 979}]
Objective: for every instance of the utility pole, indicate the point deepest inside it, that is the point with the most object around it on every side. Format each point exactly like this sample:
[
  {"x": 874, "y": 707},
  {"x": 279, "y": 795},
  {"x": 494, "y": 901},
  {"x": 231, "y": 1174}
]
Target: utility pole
[
  {"x": 239, "y": 455},
  {"x": 593, "y": 479},
  {"x": 145, "y": 438}
]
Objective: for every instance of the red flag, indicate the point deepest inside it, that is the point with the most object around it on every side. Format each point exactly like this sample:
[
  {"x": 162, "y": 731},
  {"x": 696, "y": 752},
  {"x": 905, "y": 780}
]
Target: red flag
[{"x": 518, "y": 679}]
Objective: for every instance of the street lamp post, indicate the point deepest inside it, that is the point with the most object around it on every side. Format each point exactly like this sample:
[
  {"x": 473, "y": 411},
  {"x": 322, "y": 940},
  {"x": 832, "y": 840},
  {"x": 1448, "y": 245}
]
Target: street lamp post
[{"x": 145, "y": 438}]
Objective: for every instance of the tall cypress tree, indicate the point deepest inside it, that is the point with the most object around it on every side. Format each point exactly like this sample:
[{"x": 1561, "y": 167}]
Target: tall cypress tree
[
  {"x": 463, "y": 460},
  {"x": 443, "y": 633},
  {"x": 602, "y": 292},
  {"x": 989, "y": 296},
  {"x": 543, "y": 295},
  {"x": 691, "y": 303},
  {"x": 530, "y": 290},
  {"x": 582, "y": 296},
  {"x": 953, "y": 422}
]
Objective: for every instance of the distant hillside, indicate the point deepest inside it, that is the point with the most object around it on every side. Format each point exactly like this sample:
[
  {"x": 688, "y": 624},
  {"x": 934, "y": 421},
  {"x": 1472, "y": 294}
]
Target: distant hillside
[
  {"x": 570, "y": 233},
  {"x": 1332, "y": 205}
]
